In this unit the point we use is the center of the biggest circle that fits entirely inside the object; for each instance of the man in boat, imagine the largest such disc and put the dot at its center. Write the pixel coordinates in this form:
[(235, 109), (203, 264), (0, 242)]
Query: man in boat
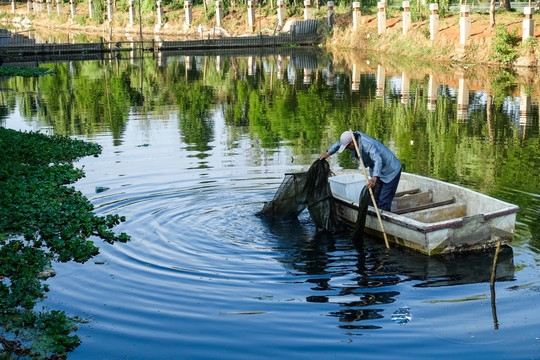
[(384, 167)]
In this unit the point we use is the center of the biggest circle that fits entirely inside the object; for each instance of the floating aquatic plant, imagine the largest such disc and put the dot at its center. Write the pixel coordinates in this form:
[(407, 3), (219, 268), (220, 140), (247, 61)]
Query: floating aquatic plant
[(42, 220)]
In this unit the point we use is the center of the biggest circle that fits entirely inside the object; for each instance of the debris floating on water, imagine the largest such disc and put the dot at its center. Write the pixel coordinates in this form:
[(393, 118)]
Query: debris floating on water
[(242, 313), (46, 273), (402, 315)]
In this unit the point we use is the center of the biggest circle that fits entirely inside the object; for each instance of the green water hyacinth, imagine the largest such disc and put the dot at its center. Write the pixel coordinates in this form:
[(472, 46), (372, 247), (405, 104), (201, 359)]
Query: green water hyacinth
[(42, 220)]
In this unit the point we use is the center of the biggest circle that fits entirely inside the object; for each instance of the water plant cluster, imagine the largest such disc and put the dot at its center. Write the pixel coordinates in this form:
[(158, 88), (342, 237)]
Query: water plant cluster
[(42, 220)]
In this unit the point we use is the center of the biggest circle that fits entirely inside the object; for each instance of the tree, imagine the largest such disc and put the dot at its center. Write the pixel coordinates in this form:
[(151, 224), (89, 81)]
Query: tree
[(505, 5), (492, 14)]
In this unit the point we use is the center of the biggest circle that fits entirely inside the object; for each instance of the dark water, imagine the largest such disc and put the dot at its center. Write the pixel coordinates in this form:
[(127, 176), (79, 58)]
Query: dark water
[(191, 150)]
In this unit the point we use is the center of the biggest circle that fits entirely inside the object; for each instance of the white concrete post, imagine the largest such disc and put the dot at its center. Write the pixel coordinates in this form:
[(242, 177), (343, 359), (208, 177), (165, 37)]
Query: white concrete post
[(131, 12), (524, 105), (218, 63), (159, 13), (528, 22), (91, 9), (432, 93), (280, 67), (405, 87), (219, 13), (49, 7), (13, 6), (73, 9), (28, 6), (433, 21), (464, 24), (307, 9), (355, 85), (188, 60), (109, 10), (307, 76), (381, 80), (463, 98), (34, 6), (356, 14), (160, 56), (406, 17), (280, 13), (59, 7), (251, 65), (330, 75), (381, 17), (133, 51), (330, 13), (251, 14), (189, 13)]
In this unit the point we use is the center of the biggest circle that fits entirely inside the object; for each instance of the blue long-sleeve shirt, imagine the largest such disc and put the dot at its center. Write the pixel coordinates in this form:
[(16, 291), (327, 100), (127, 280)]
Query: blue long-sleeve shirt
[(377, 157)]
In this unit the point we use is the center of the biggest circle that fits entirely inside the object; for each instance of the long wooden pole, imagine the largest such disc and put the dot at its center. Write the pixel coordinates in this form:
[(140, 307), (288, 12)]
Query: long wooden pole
[(492, 286), (370, 190)]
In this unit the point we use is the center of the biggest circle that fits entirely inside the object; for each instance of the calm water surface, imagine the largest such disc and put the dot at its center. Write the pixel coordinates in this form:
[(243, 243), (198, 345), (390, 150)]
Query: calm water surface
[(191, 151)]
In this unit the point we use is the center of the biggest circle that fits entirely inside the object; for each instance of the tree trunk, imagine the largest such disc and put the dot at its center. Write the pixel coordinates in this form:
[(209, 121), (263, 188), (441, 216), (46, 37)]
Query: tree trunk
[(505, 5), (492, 14)]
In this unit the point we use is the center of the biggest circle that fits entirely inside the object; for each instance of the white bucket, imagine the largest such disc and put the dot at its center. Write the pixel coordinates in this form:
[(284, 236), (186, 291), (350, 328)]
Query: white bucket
[(347, 186)]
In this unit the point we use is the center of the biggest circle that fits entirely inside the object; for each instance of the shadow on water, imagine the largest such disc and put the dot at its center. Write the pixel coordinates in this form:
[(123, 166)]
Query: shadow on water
[(357, 276)]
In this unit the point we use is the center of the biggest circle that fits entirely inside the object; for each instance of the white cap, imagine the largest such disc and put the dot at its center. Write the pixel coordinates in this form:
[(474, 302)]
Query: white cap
[(345, 140)]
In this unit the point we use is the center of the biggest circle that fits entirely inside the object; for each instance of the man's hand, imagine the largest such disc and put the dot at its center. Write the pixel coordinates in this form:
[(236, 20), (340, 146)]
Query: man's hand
[(371, 183), (324, 156)]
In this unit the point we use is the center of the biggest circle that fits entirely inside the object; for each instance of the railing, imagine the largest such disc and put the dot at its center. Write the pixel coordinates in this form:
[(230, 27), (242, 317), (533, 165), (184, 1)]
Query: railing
[(27, 44)]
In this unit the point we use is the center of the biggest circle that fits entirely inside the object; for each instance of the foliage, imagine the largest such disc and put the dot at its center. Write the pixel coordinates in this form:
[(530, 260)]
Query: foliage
[(504, 45), (25, 72), (49, 333), (270, 103), (81, 19), (175, 4), (99, 11), (42, 220), (210, 11), (148, 6), (502, 85), (530, 43)]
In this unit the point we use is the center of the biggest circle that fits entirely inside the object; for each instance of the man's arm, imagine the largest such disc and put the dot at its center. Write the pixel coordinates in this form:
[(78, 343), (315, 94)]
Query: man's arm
[(331, 150)]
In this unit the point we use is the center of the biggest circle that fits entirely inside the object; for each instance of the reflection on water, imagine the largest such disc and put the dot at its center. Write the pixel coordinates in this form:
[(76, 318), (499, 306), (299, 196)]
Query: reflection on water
[(359, 277), (194, 143)]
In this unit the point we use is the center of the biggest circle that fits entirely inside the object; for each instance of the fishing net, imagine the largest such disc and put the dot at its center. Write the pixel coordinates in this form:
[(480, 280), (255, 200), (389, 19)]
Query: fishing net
[(310, 190)]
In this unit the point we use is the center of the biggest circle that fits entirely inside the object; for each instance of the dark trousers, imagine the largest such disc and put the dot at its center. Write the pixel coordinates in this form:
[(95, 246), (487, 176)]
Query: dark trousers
[(384, 192)]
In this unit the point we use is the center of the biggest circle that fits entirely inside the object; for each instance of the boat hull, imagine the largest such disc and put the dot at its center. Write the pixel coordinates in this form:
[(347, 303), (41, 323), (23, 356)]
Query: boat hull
[(470, 221)]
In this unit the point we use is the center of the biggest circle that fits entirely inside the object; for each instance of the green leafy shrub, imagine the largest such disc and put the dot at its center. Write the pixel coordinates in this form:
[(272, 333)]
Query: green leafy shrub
[(99, 11), (504, 45), (530, 43), (81, 19)]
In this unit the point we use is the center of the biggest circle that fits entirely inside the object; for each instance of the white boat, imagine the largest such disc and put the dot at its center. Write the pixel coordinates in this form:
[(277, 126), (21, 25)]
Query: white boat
[(428, 215)]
